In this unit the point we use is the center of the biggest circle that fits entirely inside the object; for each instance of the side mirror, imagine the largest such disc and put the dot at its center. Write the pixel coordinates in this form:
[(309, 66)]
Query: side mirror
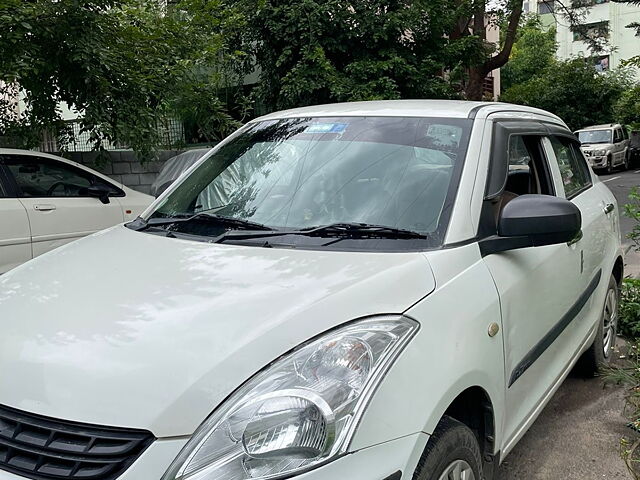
[(534, 221), (100, 193)]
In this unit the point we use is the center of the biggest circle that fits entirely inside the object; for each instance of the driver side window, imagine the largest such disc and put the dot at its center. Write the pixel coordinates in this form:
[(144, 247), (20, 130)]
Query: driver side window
[(617, 135), (47, 178)]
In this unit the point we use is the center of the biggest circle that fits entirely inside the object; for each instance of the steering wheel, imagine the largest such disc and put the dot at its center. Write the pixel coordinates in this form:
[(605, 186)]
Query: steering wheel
[(55, 186)]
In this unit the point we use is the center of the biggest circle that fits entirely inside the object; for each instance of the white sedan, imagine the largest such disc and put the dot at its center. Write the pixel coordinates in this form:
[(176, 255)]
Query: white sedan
[(366, 291), (47, 201)]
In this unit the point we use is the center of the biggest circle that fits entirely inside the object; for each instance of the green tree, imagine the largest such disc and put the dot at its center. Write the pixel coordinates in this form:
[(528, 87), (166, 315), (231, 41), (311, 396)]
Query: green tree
[(122, 64), (533, 52), (317, 51), (573, 90), (627, 110)]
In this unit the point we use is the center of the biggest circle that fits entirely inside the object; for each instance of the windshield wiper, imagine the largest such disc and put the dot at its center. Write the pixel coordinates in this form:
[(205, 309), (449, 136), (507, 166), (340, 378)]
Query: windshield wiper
[(365, 230), (340, 230), (236, 223)]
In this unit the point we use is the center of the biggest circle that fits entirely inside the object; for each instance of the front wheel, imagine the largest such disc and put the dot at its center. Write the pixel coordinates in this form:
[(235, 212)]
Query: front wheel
[(600, 352), (452, 453)]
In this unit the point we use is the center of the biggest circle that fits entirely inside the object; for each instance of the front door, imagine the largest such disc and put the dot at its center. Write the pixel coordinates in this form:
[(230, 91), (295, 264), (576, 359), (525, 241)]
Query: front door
[(618, 150), (15, 235), (56, 199), (537, 287)]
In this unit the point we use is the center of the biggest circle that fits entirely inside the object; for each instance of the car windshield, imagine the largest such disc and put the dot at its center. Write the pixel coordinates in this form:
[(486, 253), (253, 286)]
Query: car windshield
[(307, 172), (595, 136)]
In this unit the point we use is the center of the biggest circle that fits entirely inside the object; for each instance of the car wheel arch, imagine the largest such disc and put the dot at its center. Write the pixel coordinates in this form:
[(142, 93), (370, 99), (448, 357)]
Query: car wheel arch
[(618, 270), (473, 407)]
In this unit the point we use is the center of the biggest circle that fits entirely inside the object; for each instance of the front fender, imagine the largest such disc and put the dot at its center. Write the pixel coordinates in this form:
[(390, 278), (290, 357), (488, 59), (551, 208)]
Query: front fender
[(451, 352)]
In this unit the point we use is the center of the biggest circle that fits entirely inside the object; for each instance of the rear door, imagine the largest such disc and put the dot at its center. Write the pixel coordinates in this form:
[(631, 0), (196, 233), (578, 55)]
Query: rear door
[(15, 234), (55, 196), (537, 285)]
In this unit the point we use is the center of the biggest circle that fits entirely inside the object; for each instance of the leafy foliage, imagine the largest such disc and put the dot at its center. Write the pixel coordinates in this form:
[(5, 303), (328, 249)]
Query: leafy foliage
[(122, 64), (627, 109), (629, 321), (319, 51), (573, 90), (533, 52), (632, 210), (628, 374)]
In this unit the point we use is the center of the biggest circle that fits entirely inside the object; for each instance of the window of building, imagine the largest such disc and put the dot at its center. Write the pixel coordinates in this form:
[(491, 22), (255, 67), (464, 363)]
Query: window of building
[(546, 6), (591, 31), (602, 63)]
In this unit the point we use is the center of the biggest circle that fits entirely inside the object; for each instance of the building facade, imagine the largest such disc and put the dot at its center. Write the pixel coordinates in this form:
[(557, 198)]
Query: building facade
[(606, 20)]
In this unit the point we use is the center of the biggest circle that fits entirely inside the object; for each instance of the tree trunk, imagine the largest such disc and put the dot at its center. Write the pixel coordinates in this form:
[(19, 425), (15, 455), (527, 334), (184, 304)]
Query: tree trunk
[(474, 87), (477, 74)]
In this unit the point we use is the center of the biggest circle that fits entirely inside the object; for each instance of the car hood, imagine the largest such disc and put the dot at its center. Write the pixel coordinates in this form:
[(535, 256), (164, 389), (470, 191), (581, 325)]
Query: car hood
[(588, 147), (131, 329)]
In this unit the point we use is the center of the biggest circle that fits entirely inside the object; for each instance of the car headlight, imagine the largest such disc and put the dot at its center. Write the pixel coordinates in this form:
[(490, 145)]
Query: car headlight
[(600, 153), (298, 412)]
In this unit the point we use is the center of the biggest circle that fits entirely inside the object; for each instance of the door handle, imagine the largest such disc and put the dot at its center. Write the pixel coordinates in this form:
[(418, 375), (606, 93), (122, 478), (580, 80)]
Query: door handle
[(608, 208), (44, 207)]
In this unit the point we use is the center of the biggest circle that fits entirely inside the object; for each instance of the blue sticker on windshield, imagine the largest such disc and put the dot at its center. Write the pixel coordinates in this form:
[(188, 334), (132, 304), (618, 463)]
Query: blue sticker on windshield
[(326, 128)]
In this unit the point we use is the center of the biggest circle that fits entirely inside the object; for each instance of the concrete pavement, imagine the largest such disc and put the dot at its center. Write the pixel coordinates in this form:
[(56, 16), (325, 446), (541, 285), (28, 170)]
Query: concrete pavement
[(577, 436)]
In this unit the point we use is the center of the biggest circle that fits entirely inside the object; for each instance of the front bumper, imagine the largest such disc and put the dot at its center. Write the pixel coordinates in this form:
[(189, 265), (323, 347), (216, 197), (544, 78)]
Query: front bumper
[(373, 463), (597, 162)]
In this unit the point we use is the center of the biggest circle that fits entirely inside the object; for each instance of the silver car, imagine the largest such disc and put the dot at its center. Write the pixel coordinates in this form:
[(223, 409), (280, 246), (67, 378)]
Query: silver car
[(605, 146)]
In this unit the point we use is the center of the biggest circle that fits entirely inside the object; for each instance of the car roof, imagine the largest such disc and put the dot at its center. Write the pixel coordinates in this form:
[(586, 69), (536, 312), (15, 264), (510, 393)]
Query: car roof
[(31, 153), (404, 108)]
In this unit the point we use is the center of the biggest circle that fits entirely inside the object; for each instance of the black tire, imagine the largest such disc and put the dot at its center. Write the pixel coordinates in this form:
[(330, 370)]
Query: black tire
[(594, 360), (451, 441), (609, 167)]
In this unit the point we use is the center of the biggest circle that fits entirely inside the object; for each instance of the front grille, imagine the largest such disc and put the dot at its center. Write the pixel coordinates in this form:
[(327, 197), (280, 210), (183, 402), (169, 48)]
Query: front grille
[(43, 448)]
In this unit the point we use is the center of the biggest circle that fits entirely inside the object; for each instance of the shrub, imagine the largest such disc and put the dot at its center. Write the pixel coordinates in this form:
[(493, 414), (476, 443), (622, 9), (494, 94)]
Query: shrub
[(629, 312), (632, 210)]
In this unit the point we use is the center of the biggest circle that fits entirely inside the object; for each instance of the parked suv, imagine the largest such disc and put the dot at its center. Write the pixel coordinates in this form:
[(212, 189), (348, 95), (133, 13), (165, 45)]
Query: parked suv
[(378, 290), (605, 146)]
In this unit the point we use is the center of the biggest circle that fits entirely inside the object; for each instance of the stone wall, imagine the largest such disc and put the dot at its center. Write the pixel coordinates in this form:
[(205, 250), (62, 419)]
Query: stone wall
[(123, 166)]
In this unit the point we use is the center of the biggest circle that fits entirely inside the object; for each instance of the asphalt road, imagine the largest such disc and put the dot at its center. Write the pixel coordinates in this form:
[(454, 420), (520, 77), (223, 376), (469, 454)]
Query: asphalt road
[(578, 434), (620, 183)]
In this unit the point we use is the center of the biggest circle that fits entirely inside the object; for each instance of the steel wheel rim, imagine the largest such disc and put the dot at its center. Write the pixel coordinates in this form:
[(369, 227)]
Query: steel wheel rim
[(458, 470), (610, 322)]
